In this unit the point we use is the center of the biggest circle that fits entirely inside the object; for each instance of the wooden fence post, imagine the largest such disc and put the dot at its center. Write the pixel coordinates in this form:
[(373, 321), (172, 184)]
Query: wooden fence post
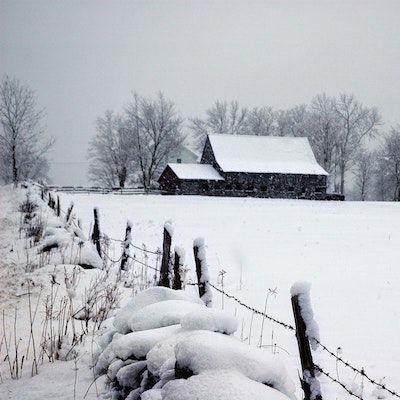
[(202, 271), (164, 271), (311, 391), (69, 213), (177, 283), (96, 231), (58, 206), (197, 261), (125, 246)]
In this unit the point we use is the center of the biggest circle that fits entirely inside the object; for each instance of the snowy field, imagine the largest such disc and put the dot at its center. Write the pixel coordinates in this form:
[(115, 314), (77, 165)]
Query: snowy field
[(348, 251)]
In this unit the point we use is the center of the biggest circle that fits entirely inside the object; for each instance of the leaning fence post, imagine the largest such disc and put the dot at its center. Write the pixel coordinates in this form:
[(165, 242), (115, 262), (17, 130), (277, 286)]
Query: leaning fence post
[(199, 251), (69, 213), (302, 307), (178, 262), (164, 270), (125, 245), (96, 231)]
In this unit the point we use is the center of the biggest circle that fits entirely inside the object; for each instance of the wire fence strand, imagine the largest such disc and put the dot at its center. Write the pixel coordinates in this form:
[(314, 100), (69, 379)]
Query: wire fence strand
[(329, 376)]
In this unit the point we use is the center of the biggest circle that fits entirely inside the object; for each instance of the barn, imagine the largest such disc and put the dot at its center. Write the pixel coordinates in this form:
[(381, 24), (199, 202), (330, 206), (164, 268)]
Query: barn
[(257, 166)]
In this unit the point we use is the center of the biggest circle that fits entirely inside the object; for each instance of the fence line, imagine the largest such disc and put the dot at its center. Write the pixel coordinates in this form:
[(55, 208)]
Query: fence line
[(102, 190), (290, 327)]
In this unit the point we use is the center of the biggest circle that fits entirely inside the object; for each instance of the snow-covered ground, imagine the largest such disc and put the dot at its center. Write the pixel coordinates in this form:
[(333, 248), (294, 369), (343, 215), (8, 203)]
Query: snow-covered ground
[(348, 251)]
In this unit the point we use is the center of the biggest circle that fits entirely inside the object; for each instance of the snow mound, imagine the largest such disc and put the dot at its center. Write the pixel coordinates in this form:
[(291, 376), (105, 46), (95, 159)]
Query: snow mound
[(162, 352), (219, 385), (89, 258), (152, 394), (129, 374), (145, 298), (149, 362), (134, 345), (54, 222), (210, 320), (163, 313), (206, 351), (57, 238)]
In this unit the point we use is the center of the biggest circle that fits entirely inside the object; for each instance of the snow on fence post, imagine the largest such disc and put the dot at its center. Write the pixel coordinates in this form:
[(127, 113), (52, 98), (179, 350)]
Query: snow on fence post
[(179, 259), (306, 332), (203, 278), (125, 245), (165, 262), (96, 231)]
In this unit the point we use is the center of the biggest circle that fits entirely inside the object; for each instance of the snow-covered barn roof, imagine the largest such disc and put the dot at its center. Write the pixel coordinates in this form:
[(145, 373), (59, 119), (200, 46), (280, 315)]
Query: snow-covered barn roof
[(265, 154), (196, 172)]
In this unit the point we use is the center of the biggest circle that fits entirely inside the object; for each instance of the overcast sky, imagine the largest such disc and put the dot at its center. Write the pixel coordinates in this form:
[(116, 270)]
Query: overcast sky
[(83, 57)]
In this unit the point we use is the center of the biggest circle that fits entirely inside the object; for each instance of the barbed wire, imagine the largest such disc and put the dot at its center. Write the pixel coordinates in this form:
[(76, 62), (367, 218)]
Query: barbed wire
[(157, 252), (129, 256), (328, 375), (360, 371), (255, 311), (110, 259), (142, 263)]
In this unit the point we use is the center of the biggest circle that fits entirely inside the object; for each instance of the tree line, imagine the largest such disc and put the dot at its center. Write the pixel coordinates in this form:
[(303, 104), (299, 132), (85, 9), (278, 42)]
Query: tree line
[(135, 144)]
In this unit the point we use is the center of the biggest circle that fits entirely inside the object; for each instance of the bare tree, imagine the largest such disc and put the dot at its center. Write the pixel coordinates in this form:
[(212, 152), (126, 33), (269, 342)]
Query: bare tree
[(261, 121), (221, 118), (323, 134), (364, 170), (155, 132), (293, 122), (110, 153), (388, 171), (22, 145), (356, 122)]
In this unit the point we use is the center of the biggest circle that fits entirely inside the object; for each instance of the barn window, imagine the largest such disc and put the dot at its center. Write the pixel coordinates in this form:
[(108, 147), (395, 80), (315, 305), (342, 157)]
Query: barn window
[(290, 188), (263, 188)]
